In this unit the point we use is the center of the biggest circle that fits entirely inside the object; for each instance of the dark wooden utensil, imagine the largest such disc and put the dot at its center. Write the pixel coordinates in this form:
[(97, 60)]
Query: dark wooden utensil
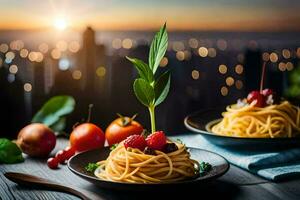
[(29, 180)]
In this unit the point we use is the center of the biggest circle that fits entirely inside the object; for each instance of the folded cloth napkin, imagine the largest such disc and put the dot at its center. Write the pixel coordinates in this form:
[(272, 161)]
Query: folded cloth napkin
[(273, 166)]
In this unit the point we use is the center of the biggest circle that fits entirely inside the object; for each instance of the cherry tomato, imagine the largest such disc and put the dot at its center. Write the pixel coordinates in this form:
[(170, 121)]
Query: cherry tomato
[(258, 97), (87, 136), (121, 128), (69, 152), (52, 163), (60, 156), (267, 92)]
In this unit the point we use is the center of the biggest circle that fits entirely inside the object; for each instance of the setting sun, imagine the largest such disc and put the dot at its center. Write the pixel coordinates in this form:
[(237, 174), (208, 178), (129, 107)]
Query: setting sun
[(60, 23)]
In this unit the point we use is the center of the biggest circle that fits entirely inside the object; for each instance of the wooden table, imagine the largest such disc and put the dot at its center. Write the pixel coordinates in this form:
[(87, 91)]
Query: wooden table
[(236, 184)]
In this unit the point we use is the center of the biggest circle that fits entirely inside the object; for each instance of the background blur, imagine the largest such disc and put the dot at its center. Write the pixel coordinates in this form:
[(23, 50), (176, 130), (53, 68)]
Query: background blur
[(216, 50)]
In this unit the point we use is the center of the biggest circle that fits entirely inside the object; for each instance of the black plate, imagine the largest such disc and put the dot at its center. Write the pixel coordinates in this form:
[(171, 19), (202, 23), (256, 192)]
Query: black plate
[(77, 163), (201, 121)]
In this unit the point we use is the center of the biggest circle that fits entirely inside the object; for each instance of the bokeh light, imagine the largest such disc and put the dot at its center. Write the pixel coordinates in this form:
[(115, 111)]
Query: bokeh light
[(56, 54), (239, 69), (101, 71), (3, 48), (117, 43), (266, 56), (164, 61), (23, 53), (180, 55), (212, 52), (286, 53), (74, 46), (32, 56), (282, 66), (273, 57), (62, 45), (195, 74), (10, 55), (203, 52), (224, 91), (43, 47), (13, 69), (77, 75), (289, 66), (193, 43), (64, 64), (229, 81), (223, 69), (127, 43), (178, 46), (239, 84), (27, 87), (222, 44)]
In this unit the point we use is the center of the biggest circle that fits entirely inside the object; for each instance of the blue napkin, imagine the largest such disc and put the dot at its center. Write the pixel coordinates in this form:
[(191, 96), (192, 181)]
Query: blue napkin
[(270, 165)]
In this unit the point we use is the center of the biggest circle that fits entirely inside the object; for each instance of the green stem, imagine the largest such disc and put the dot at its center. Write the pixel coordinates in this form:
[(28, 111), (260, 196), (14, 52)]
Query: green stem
[(152, 117)]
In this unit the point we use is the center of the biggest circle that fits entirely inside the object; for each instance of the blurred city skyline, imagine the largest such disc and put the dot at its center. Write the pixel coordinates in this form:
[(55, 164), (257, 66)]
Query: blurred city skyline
[(205, 15)]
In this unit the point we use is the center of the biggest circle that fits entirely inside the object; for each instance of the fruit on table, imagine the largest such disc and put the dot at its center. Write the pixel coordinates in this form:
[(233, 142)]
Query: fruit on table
[(52, 163), (121, 128), (87, 136), (36, 140)]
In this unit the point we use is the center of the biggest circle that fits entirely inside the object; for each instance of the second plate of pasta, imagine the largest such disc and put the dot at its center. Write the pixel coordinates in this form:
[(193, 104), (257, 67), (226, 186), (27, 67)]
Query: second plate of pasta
[(250, 128)]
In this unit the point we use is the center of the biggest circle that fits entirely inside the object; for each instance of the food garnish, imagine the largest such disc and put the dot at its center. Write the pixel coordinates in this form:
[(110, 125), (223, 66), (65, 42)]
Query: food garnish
[(91, 167), (148, 89), (135, 141), (156, 140)]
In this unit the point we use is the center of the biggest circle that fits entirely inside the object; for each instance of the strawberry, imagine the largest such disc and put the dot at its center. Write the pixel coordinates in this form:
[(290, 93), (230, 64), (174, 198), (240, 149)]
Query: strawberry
[(135, 141), (156, 140)]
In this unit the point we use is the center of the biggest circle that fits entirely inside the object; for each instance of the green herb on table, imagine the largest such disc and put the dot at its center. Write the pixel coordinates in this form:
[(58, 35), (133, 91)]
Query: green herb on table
[(204, 167), (9, 152), (148, 89), (91, 167)]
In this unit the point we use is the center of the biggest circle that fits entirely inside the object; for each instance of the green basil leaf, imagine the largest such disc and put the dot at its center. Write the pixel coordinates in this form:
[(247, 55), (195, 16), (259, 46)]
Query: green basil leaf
[(10, 152), (162, 87), (54, 109), (143, 91), (143, 69), (158, 48)]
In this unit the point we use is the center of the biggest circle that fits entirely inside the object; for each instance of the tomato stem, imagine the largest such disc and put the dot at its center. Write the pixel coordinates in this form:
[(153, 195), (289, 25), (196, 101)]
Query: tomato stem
[(90, 112), (152, 117)]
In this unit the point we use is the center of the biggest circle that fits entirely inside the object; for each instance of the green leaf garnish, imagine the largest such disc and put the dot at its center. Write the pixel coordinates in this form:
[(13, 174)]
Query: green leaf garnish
[(53, 112), (161, 87), (204, 167), (9, 152), (91, 167), (148, 90), (113, 146), (144, 91), (158, 48)]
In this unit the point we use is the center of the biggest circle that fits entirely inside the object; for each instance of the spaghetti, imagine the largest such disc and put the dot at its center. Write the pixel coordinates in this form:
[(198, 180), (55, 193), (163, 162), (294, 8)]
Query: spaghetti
[(134, 166), (274, 121)]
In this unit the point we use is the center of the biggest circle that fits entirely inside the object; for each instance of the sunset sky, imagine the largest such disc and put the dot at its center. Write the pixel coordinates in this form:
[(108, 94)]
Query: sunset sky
[(237, 15)]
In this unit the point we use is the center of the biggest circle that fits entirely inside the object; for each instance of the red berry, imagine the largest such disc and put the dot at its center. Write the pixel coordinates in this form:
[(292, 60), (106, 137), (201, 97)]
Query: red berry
[(52, 163), (258, 97), (267, 92), (60, 156), (135, 141), (156, 140), (69, 152)]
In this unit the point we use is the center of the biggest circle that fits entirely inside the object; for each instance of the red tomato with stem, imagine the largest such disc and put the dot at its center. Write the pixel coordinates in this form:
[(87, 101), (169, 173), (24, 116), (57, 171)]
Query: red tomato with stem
[(87, 136), (121, 128)]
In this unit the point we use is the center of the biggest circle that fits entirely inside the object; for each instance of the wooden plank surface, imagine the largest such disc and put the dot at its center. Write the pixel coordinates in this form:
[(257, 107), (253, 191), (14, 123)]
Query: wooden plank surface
[(236, 184)]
